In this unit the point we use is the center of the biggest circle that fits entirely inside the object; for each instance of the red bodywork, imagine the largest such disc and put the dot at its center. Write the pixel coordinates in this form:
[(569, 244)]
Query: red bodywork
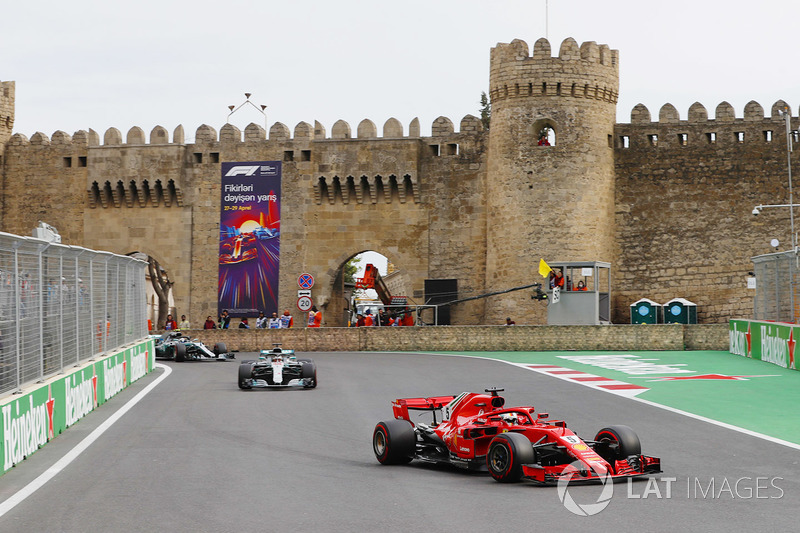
[(471, 420)]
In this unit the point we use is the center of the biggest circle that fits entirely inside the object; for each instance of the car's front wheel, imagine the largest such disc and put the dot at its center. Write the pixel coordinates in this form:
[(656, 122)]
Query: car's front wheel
[(309, 375), (617, 442), (220, 348), (245, 374), (180, 352), (507, 453), (394, 442)]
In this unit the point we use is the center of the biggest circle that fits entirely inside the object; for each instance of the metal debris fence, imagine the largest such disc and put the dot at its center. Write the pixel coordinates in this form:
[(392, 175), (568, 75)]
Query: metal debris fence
[(61, 305), (777, 277)]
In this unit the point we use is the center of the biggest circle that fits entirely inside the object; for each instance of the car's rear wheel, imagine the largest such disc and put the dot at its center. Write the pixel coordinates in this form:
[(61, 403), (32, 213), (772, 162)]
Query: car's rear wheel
[(617, 442), (507, 453), (180, 352), (394, 442), (309, 375), (245, 374), (220, 348)]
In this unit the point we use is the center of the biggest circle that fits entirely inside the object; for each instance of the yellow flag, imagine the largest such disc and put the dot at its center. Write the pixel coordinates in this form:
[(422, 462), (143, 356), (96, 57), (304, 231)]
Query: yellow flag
[(544, 268)]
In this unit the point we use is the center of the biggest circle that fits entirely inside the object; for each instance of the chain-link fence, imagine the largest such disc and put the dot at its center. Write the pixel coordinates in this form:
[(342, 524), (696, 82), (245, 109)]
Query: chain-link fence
[(777, 277), (60, 305)]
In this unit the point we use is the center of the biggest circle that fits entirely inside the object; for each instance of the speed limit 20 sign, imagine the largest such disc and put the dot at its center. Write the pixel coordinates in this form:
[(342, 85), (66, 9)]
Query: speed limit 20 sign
[(304, 303)]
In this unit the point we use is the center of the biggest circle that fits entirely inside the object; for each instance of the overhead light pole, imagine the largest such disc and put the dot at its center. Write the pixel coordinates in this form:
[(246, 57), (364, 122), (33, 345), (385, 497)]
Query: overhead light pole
[(234, 109)]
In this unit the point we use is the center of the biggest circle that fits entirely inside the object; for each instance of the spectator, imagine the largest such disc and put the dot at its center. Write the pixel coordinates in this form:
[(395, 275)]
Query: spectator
[(581, 286), (286, 320), (210, 324), (274, 322), (243, 324), (170, 323), (224, 320), (556, 279), (360, 323), (368, 320), (315, 319), (184, 324), (510, 322), (261, 321)]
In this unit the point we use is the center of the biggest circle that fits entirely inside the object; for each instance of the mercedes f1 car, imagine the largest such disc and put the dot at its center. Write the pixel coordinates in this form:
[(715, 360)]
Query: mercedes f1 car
[(174, 346), (278, 368), (476, 431)]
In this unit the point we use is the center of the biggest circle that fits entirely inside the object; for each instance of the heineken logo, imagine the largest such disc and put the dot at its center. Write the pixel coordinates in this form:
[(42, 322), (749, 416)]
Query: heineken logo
[(24, 433)]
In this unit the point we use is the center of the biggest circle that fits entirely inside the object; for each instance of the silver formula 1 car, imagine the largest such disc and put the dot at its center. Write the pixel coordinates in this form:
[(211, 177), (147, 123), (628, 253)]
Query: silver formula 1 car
[(175, 346), (277, 368)]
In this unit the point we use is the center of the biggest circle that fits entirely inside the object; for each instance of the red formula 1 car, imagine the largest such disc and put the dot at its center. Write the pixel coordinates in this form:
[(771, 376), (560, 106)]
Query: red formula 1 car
[(477, 431)]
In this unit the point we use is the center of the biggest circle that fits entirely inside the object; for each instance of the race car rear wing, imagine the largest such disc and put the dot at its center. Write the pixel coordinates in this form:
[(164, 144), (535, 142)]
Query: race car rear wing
[(401, 406)]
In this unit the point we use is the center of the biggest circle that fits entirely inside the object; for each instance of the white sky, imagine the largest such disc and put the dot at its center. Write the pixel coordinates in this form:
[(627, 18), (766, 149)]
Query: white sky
[(99, 64)]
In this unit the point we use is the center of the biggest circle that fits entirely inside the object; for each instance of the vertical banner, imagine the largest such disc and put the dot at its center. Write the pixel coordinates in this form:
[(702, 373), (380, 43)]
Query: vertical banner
[(249, 238)]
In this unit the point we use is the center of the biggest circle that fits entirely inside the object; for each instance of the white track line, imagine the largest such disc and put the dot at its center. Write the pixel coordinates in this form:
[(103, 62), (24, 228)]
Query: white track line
[(62, 463), (634, 398)]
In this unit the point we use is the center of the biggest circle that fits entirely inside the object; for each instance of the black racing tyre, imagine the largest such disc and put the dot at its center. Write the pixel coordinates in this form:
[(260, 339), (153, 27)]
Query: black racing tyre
[(507, 453), (305, 360), (180, 352), (245, 373), (394, 442), (617, 442), (309, 372), (220, 348)]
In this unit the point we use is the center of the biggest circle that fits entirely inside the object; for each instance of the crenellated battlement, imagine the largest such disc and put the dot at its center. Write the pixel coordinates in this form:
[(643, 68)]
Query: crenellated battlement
[(303, 131), (587, 71), (753, 129)]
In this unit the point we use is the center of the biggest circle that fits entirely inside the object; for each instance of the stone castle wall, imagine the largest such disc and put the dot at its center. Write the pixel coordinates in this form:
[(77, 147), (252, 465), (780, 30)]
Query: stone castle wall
[(340, 196), (666, 206), (685, 191), (476, 338)]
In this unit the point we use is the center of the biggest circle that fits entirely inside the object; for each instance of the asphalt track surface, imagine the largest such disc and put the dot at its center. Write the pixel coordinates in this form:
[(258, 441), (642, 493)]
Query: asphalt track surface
[(197, 454)]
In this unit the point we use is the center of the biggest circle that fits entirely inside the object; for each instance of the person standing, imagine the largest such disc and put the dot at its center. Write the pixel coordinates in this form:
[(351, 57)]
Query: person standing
[(224, 320), (510, 322), (274, 322), (184, 324), (314, 318), (243, 324), (368, 320), (261, 321), (210, 324), (170, 323), (286, 320)]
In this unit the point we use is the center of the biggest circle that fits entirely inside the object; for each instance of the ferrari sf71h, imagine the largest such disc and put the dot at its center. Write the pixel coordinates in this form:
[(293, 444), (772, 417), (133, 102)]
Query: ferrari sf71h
[(476, 431)]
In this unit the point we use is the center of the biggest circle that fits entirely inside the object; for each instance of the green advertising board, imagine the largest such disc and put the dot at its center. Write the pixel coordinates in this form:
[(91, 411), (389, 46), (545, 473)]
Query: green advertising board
[(772, 342), (32, 419)]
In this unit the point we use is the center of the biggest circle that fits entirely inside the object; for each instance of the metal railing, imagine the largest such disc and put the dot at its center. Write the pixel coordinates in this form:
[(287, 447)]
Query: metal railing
[(777, 278), (60, 305)]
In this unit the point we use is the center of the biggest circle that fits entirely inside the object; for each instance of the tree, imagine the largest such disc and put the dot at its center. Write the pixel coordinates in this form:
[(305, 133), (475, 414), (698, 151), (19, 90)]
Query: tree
[(162, 286), (350, 269), (486, 110)]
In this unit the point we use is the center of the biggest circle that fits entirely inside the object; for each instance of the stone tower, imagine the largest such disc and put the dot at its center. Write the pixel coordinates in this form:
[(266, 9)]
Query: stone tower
[(6, 114), (554, 202)]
